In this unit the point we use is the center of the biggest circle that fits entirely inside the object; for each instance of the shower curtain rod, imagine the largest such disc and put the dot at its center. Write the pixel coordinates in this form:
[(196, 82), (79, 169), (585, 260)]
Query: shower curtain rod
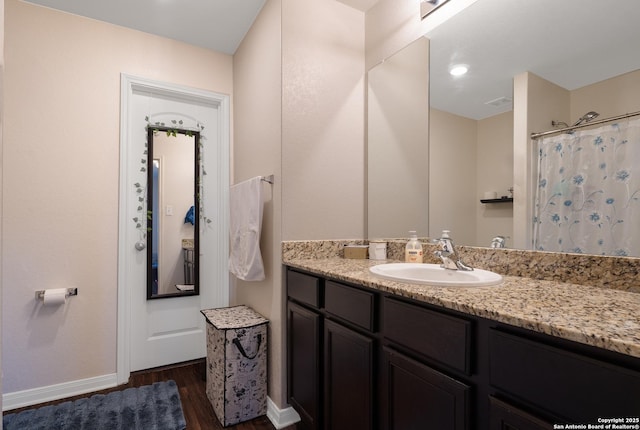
[(586, 124)]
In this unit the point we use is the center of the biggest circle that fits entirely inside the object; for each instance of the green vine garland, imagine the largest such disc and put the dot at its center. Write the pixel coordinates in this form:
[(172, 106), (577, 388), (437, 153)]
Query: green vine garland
[(141, 189)]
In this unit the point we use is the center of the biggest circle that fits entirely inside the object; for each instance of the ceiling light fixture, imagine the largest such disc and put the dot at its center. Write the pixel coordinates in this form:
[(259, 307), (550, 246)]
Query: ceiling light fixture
[(459, 70)]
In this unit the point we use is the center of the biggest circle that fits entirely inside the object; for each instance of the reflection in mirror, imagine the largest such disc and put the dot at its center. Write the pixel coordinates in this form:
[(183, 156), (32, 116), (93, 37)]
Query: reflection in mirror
[(397, 146), (471, 117), (172, 239)]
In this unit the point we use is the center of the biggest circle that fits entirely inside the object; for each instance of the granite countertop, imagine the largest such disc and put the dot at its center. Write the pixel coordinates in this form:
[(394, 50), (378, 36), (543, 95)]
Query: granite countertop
[(601, 317)]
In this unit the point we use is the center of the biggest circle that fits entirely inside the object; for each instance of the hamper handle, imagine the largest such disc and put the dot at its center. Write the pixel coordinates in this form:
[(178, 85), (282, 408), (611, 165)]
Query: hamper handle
[(237, 343)]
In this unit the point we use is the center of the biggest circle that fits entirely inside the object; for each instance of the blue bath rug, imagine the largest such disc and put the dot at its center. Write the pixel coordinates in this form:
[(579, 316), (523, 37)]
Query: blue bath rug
[(150, 407)]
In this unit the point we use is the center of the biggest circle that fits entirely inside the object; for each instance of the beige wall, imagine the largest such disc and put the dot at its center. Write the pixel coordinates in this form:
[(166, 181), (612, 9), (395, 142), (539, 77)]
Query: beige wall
[(611, 97), (469, 157), (257, 152), (452, 171), (398, 144), (299, 109), (494, 166), (60, 167), (322, 120)]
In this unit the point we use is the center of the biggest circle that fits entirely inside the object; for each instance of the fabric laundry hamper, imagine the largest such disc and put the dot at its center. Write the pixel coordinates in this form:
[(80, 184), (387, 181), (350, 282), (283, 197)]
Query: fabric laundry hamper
[(236, 363)]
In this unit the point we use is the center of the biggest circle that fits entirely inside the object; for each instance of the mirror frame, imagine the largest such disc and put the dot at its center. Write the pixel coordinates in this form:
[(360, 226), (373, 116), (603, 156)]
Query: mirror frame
[(171, 131)]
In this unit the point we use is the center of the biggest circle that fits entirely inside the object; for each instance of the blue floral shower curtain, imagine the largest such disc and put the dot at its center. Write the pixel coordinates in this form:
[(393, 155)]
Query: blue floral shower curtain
[(588, 195)]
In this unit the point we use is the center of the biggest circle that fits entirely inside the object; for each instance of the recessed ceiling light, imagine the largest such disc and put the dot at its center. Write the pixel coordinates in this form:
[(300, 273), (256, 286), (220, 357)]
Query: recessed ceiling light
[(499, 102), (459, 70)]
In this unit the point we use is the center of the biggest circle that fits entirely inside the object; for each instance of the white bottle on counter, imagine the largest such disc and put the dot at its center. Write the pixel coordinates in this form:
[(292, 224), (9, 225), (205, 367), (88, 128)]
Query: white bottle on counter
[(413, 250)]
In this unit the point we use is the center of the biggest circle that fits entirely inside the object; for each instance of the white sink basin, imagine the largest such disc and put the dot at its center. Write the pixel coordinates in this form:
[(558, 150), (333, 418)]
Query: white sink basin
[(433, 274)]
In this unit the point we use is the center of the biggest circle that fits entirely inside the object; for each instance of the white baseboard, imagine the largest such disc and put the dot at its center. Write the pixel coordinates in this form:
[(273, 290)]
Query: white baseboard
[(34, 396), (281, 418)]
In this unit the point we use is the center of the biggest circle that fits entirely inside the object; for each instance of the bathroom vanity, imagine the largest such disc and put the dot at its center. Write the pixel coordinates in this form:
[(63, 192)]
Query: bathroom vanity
[(369, 353)]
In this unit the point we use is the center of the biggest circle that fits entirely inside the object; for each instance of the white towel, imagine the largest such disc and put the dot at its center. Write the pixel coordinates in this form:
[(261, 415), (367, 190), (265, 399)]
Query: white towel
[(245, 261)]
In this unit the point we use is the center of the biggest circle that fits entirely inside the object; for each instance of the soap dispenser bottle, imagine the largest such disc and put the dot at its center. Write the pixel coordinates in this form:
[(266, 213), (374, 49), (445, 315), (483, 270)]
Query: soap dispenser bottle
[(413, 249)]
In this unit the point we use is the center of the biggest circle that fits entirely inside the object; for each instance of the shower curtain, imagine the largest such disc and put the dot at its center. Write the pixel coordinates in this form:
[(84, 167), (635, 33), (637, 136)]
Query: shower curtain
[(588, 194)]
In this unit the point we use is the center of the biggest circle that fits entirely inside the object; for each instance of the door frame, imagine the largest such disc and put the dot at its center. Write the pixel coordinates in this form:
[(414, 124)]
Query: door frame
[(218, 152)]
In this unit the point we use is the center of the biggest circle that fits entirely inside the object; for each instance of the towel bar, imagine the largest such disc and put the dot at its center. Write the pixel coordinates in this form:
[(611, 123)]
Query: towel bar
[(268, 179)]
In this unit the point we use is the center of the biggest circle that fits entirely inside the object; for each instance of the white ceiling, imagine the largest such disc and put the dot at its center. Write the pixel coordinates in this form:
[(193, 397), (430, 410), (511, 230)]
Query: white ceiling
[(219, 25), (571, 43)]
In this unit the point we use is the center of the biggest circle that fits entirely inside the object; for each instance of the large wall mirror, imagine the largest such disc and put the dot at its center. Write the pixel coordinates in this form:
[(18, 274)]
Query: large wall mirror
[(398, 150), (587, 47), (173, 212)]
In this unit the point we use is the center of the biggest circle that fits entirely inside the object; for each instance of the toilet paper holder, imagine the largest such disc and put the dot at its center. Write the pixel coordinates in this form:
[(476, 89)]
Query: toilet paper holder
[(70, 292)]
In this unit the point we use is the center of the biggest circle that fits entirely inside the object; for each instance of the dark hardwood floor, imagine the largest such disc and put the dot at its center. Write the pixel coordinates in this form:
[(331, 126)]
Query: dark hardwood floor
[(191, 380)]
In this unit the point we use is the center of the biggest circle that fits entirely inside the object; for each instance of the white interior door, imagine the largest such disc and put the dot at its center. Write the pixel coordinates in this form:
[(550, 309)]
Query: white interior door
[(163, 331)]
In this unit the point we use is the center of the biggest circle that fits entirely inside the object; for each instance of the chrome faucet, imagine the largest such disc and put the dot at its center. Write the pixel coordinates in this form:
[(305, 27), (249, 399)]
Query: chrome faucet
[(498, 242), (448, 253)]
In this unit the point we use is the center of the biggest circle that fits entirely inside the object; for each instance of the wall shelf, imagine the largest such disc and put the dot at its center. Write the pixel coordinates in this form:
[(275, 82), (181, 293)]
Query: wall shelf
[(502, 200)]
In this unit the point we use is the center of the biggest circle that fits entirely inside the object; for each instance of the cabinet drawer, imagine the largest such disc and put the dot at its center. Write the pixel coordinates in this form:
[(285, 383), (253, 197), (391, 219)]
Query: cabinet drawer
[(350, 304), (571, 386), (435, 335), (503, 416), (303, 288)]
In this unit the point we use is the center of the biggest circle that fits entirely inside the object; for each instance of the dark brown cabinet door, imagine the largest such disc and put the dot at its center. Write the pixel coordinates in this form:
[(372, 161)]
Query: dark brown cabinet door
[(417, 397), (572, 386), (349, 386), (304, 364)]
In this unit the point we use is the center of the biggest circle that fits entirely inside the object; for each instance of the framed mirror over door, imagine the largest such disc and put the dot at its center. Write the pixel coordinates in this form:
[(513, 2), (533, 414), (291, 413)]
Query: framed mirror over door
[(173, 212)]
